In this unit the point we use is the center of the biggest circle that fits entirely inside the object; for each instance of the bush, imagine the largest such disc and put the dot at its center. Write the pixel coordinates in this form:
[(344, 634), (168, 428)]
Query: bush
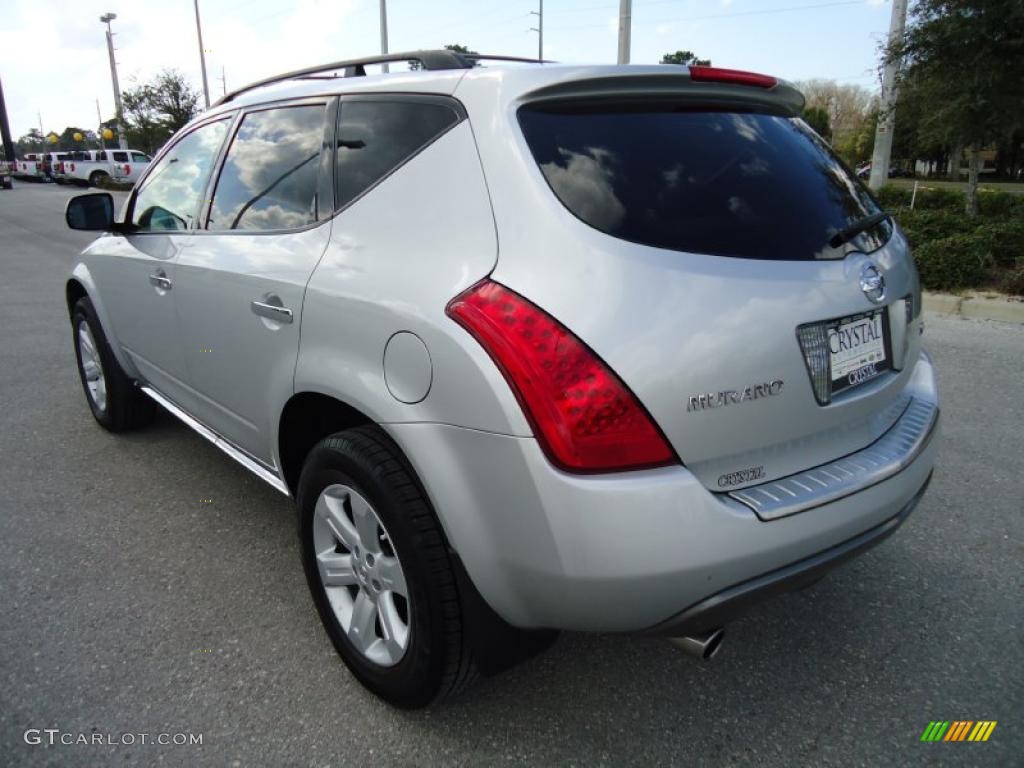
[(924, 226), (952, 263), (1000, 204), (898, 198), (940, 200), (893, 198), (1004, 241), (1013, 281), (115, 186), (991, 203)]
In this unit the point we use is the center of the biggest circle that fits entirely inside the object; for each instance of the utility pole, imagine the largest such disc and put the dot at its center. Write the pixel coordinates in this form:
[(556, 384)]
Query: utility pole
[(625, 22), (539, 29), (122, 142), (202, 57), (5, 129), (384, 32), (223, 80), (887, 117), (99, 125)]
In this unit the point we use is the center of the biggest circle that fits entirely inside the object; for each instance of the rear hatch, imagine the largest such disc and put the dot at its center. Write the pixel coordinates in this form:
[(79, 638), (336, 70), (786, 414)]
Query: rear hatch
[(727, 266)]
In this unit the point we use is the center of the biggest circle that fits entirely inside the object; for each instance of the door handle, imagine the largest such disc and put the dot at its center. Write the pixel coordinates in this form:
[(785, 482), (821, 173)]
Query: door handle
[(160, 280), (272, 311)]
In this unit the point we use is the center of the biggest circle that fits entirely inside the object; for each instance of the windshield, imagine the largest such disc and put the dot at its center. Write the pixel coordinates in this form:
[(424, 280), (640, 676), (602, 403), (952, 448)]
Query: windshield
[(740, 184)]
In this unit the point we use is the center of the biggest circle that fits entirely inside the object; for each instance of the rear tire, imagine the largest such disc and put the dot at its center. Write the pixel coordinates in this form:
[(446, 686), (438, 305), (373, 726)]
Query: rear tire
[(115, 401), (97, 177), (431, 659)]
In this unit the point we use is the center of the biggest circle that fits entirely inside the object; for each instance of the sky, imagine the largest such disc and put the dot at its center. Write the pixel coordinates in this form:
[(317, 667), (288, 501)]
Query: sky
[(53, 56)]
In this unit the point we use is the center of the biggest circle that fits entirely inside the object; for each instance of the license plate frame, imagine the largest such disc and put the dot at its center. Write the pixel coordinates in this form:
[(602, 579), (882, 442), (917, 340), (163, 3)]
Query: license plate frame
[(861, 368)]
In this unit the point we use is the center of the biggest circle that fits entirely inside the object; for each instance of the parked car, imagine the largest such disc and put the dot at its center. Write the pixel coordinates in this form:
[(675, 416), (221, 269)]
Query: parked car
[(895, 172), (6, 174), (56, 165), (29, 167), (690, 378), (93, 166)]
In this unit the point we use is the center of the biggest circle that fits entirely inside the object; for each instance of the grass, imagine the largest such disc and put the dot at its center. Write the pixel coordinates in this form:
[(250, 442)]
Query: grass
[(1015, 187)]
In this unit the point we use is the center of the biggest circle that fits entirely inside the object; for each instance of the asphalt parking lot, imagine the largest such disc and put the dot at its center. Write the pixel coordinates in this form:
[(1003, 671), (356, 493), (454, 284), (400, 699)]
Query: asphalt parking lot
[(130, 605)]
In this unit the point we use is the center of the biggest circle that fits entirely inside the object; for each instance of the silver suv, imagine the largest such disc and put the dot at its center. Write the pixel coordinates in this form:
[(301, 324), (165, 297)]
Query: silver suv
[(609, 349)]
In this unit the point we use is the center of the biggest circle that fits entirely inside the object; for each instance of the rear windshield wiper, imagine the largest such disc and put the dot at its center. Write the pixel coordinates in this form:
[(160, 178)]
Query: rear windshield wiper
[(850, 231)]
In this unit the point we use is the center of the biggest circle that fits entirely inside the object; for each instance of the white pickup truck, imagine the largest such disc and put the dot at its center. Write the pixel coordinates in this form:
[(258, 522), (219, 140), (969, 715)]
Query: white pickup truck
[(29, 167), (93, 165)]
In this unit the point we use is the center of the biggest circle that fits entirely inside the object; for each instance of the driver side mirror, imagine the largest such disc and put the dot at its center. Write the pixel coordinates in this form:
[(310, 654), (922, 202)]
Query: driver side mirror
[(93, 212)]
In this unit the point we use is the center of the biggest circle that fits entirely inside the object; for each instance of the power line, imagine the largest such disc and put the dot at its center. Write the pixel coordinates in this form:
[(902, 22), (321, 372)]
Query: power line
[(736, 14), (477, 18)]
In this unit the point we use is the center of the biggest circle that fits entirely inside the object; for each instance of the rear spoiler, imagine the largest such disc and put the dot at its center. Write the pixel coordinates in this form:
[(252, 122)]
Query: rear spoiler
[(712, 87)]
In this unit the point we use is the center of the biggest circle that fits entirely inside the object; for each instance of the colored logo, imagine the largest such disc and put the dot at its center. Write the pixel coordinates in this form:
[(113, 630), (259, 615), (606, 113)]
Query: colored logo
[(958, 730)]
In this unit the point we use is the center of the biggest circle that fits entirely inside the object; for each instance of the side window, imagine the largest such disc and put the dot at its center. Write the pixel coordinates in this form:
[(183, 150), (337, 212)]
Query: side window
[(375, 137), (120, 157), (138, 157), (170, 195), (269, 177)]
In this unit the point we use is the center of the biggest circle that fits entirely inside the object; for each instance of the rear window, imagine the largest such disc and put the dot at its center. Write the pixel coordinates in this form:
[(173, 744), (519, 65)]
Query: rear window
[(748, 185)]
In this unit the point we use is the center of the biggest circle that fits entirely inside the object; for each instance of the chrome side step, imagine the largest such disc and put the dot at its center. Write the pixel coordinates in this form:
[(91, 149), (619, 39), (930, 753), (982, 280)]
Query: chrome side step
[(247, 461)]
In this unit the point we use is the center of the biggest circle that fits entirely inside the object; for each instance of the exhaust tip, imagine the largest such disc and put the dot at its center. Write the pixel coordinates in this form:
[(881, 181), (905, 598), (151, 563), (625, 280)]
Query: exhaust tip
[(704, 646)]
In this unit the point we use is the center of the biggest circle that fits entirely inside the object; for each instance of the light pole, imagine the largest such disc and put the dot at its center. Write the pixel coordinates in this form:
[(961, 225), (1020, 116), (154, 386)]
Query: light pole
[(625, 22), (887, 120), (384, 32), (539, 29), (202, 57), (121, 140)]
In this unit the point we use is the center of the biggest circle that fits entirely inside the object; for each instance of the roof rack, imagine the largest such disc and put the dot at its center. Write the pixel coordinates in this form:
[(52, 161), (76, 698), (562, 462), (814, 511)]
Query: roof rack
[(429, 60)]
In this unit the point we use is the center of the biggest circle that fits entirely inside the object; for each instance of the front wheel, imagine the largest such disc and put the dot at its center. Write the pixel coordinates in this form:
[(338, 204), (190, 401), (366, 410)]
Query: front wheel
[(113, 398)]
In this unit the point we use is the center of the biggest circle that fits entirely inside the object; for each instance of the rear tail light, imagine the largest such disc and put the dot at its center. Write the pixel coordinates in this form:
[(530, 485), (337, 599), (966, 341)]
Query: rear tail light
[(584, 416), (731, 76)]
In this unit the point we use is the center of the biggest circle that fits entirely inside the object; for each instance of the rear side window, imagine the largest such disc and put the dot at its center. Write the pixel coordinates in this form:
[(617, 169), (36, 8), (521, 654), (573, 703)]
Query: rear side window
[(747, 185), (375, 137), (120, 157), (269, 178)]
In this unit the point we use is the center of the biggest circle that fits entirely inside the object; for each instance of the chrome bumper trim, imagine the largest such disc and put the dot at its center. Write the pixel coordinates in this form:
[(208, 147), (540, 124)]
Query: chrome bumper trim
[(887, 456), (253, 465)]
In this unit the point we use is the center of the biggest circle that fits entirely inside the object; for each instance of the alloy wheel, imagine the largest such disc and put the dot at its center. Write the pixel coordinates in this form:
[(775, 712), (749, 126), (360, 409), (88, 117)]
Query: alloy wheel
[(92, 368), (361, 575)]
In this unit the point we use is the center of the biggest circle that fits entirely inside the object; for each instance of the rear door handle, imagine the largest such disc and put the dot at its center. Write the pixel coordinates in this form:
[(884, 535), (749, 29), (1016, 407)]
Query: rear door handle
[(160, 280), (272, 311)]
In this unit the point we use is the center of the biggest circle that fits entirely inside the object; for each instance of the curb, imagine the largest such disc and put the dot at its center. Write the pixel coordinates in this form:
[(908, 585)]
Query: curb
[(980, 307)]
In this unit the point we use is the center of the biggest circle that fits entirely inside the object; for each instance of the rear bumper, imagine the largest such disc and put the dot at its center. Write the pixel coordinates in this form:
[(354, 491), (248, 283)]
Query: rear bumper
[(719, 609), (646, 551)]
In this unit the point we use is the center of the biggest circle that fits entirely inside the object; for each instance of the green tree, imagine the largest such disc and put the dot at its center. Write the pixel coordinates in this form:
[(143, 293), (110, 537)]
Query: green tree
[(174, 99), (962, 75), (33, 141), (855, 145), (459, 48), (685, 57), (817, 118), (144, 128), (155, 110), (67, 139)]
